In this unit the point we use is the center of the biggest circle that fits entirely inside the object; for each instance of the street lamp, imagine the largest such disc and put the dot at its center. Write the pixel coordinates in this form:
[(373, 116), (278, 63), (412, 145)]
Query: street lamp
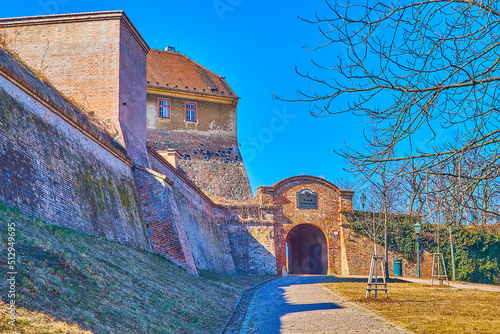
[(418, 228), (363, 200), (472, 217)]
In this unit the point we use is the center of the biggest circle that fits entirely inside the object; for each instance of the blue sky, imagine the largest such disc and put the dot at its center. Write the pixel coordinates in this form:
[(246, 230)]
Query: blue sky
[(256, 45)]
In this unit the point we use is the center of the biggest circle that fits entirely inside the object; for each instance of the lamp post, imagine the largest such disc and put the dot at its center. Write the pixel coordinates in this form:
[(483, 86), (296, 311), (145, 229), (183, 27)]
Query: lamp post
[(472, 217), (363, 200), (418, 228)]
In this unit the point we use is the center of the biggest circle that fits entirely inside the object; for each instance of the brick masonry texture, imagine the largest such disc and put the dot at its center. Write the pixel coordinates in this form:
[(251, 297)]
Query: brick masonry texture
[(50, 169), (258, 238), (95, 61), (132, 100), (205, 223), (252, 241), (214, 164), (360, 251), (165, 227), (327, 217)]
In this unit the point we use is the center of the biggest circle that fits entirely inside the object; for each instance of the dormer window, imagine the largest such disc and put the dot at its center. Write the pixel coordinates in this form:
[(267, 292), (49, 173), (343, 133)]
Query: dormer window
[(191, 111), (164, 108)]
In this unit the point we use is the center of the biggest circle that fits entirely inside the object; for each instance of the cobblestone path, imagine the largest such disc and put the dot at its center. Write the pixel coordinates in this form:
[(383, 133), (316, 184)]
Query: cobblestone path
[(300, 304)]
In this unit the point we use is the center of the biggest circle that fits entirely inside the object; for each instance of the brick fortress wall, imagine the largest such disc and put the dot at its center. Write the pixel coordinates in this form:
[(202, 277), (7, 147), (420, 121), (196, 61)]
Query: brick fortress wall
[(331, 201), (251, 238), (214, 164), (187, 223), (55, 165), (360, 251), (98, 60), (258, 237)]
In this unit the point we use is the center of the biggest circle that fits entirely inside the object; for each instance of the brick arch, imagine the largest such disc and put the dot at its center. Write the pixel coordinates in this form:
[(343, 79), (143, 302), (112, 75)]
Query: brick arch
[(328, 214), (307, 246), (305, 179)]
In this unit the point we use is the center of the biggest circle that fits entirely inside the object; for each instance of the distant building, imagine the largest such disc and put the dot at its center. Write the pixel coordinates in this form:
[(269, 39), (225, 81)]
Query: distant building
[(194, 111)]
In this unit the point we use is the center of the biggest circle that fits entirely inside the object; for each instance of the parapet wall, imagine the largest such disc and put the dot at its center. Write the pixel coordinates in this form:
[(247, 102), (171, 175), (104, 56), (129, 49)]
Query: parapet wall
[(203, 222)]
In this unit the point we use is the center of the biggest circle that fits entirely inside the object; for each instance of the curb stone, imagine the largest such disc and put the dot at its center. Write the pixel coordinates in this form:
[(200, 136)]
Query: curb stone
[(233, 325)]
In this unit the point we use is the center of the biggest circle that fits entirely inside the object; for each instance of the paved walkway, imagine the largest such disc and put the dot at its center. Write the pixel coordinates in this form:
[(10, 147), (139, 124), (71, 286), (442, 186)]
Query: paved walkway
[(300, 304), (458, 285)]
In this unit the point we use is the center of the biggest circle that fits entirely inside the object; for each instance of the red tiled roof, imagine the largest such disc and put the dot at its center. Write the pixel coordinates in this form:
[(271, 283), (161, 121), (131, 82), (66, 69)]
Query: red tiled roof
[(175, 71)]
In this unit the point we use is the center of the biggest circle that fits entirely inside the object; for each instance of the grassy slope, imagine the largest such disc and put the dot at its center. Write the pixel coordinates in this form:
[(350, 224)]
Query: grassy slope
[(70, 282)]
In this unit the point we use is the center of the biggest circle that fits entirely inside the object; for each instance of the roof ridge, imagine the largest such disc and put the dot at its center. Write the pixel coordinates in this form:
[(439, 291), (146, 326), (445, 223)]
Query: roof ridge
[(178, 68), (194, 61)]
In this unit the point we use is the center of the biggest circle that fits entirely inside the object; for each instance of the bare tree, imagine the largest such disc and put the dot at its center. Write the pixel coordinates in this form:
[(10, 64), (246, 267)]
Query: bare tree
[(385, 184), (413, 186), (345, 183), (418, 70), (370, 219)]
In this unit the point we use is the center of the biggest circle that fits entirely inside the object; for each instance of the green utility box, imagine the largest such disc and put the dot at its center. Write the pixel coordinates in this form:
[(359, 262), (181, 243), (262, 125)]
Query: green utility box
[(398, 267)]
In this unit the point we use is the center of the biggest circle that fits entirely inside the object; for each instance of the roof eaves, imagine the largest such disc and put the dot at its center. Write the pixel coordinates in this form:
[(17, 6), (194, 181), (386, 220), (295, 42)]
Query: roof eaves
[(234, 96)]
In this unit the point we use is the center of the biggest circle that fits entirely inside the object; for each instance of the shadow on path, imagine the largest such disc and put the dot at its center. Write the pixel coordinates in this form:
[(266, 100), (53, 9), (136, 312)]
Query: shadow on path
[(282, 297), (298, 304)]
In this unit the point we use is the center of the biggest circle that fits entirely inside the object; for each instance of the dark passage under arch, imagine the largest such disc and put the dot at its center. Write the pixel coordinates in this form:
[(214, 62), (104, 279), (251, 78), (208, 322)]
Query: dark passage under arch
[(307, 250)]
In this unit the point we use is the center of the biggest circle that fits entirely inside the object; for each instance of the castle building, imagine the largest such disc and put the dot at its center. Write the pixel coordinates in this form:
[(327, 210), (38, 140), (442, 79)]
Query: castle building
[(194, 111), (103, 135)]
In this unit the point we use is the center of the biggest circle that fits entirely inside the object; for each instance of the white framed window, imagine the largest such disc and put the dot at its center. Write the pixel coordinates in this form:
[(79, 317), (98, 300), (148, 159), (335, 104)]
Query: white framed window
[(191, 111), (164, 108)]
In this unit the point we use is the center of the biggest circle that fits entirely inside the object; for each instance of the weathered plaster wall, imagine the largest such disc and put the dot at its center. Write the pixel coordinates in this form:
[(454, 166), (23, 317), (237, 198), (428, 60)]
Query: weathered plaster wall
[(214, 118), (214, 164), (56, 166)]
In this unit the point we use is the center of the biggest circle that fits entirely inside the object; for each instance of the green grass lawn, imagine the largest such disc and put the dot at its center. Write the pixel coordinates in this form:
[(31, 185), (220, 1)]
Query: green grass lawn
[(429, 309), (69, 282)]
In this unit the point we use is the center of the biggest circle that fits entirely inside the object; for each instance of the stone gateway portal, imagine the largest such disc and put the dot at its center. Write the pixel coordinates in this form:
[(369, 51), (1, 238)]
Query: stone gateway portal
[(307, 250), (306, 217)]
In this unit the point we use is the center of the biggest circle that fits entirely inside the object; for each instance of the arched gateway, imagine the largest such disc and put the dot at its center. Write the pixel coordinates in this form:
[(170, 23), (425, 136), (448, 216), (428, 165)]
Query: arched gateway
[(307, 250), (307, 217)]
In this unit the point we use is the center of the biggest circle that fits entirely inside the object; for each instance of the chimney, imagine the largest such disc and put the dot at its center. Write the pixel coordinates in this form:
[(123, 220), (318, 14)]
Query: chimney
[(170, 49), (172, 156)]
